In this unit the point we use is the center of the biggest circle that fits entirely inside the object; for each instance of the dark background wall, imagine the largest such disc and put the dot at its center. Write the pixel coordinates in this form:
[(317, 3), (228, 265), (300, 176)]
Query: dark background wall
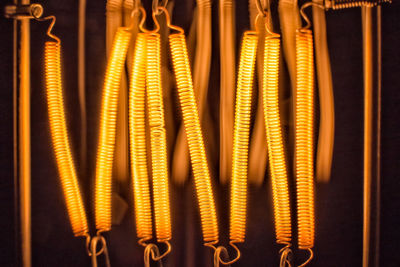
[(338, 204)]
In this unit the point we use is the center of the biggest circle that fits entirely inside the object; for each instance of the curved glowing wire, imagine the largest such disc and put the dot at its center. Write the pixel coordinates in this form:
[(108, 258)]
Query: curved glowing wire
[(195, 138), (137, 134), (106, 141), (241, 137), (304, 138), (277, 160), (60, 140), (157, 137)]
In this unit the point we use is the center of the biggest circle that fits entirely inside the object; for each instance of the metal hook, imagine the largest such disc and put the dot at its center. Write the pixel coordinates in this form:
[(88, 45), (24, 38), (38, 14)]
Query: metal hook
[(286, 256), (156, 6), (53, 21), (221, 249), (169, 248), (153, 251), (141, 23), (261, 11), (304, 16), (309, 258), (93, 246), (168, 19)]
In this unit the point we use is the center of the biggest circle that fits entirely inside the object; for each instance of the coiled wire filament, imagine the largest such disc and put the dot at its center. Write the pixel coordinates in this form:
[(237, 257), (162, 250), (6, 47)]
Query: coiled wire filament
[(304, 139), (137, 134), (157, 138), (60, 140), (277, 159), (195, 138), (241, 137), (108, 116)]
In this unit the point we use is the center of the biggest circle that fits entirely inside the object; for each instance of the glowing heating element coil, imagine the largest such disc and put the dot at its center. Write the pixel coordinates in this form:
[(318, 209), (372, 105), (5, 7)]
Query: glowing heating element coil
[(105, 152), (60, 139), (195, 138), (137, 134), (276, 153), (304, 138), (157, 138), (241, 137)]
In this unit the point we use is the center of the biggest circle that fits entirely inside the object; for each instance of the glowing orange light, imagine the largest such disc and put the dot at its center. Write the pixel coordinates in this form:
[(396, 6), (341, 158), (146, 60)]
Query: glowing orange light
[(59, 136), (108, 116), (304, 138), (157, 138), (137, 132), (241, 136), (277, 160), (195, 138)]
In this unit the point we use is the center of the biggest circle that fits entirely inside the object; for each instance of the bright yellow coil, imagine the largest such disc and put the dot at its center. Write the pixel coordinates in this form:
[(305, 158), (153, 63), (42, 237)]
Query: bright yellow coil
[(59, 136), (195, 138), (276, 153), (137, 134), (157, 138), (241, 137), (108, 118), (304, 138)]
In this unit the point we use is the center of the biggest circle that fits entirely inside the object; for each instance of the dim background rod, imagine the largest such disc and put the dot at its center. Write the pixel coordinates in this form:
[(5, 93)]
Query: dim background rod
[(371, 27), (22, 132), (81, 85), (378, 133)]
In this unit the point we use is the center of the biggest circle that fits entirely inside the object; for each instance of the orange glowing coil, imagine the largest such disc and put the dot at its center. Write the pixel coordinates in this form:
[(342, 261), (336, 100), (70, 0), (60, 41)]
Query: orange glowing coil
[(137, 133), (108, 116), (157, 137), (241, 137), (59, 136), (277, 160), (195, 138), (304, 138)]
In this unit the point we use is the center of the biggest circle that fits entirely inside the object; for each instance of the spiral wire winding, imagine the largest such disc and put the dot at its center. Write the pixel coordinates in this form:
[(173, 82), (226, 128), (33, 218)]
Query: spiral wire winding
[(304, 140), (241, 137), (60, 140), (137, 132), (195, 138), (277, 160), (106, 141), (158, 138)]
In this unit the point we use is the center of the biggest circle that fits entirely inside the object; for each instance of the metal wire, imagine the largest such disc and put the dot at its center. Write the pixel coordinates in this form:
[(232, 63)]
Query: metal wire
[(195, 138), (277, 159), (137, 134), (108, 116), (157, 137), (60, 140), (304, 139)]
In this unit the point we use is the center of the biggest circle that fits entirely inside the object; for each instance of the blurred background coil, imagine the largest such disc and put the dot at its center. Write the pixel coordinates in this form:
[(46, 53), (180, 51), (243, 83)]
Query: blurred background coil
[(108, 116), (276, 152), (137, 134), (304, 138), (195, 138), (157, 137), (241, 136), (60, 139)]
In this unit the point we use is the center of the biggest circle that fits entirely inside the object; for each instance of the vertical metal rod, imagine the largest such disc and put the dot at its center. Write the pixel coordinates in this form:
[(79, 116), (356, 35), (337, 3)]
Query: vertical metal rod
[(368, 118), (22, 133), (378, 134), (81, 85)]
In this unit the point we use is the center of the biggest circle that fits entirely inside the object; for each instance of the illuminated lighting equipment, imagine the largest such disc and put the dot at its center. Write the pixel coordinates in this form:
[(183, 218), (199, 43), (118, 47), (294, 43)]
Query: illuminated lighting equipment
[(137, 134), (60, 140), (194, 136), (157, 137), (145, 85), (108, 117), (276, 152), (304, 154)]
